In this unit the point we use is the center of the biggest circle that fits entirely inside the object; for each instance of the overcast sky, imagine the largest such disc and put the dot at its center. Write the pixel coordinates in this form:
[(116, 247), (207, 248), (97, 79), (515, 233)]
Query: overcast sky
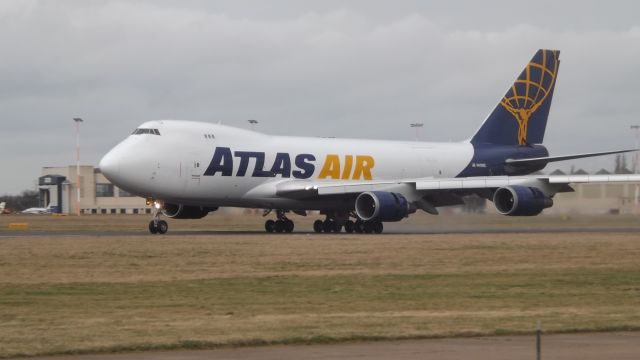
[(361, 69)]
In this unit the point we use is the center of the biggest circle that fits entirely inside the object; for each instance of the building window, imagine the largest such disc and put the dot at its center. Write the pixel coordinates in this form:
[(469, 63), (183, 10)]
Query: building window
[(124, 193), (104, 190)]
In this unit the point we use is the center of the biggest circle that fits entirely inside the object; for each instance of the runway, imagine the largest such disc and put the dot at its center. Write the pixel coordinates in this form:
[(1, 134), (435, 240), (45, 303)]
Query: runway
[(225, 225), (393, 229), (620, 346)]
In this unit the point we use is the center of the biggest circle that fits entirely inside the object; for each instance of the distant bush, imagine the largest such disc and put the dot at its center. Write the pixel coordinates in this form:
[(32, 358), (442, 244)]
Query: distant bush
[(27, 199)]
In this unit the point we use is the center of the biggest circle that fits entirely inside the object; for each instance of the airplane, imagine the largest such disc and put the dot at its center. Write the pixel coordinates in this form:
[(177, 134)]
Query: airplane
[(37, 210), (187, 169)]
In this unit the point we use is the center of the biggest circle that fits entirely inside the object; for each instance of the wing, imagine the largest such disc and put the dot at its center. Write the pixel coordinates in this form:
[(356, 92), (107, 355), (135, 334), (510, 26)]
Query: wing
[(549, 184)]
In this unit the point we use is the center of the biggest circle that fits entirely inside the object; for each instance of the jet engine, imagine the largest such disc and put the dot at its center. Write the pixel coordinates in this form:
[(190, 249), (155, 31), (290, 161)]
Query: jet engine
[(520, 200), (179, 211), (381, 206)]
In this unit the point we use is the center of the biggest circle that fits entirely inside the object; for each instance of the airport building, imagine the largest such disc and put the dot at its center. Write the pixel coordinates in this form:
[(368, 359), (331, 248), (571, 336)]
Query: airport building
[(57, 188), (611, 198)]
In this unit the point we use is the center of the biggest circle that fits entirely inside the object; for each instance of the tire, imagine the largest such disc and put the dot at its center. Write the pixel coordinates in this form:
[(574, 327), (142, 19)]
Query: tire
[(368, 227), (378, 227), (328, 226), (163, 227), (317, 226), (358, 226), (270, 226), (279, 226), (349, 226), (152, 227), (336, 227), (288, 226)]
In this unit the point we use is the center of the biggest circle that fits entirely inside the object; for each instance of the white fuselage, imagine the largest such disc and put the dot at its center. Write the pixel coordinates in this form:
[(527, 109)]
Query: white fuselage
[(172, 164)]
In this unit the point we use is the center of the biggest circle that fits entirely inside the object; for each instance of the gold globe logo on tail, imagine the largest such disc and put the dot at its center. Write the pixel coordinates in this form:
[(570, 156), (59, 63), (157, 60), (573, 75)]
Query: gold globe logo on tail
[(522, 101)]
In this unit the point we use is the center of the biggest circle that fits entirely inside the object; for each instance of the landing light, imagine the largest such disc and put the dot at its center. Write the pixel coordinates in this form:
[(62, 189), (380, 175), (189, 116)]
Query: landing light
[(157, 205)]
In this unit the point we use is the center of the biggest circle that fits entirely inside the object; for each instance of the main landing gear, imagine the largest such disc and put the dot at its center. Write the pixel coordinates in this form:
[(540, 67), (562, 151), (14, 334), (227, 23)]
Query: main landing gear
[(281, 225), (335, 223), (157, 226)]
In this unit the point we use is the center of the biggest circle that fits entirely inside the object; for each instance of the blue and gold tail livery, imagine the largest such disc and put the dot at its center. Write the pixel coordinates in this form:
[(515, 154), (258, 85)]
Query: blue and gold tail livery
[(521, 116)]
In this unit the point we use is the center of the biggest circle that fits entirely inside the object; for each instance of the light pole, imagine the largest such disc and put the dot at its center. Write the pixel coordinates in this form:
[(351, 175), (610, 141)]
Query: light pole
[(636, 129), (78, 121), (417, 126), (253, 123)]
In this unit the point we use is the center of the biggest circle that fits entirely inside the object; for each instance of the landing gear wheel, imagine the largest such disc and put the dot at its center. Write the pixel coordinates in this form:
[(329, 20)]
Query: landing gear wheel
[(288, 226), (368, 227), (318, 226), (163, 227), (349, 226), (378, 227), (279, 226), (329, 226), (358, 226), (152, 227), (270, 226)]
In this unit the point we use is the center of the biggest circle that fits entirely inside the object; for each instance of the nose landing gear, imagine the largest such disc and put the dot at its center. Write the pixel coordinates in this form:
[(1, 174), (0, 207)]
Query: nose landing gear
[(157, 226)]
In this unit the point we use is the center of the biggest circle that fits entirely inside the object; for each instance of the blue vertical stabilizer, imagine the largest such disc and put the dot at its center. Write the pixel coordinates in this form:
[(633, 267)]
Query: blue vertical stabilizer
[(520, 117)]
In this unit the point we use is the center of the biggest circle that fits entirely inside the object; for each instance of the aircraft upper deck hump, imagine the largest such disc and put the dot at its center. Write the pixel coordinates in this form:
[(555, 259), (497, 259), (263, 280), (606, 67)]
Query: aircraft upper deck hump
[(520, 118)]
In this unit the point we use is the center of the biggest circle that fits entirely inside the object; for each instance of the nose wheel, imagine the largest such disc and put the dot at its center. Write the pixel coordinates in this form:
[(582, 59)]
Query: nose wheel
[(157, 226)]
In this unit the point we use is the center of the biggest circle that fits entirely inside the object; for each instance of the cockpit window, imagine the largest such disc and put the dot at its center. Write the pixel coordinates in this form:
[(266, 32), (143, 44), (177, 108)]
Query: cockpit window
[(140, 131)]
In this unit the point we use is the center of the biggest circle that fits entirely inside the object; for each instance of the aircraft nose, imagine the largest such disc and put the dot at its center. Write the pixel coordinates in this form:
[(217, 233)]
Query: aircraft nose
[(110, 165)]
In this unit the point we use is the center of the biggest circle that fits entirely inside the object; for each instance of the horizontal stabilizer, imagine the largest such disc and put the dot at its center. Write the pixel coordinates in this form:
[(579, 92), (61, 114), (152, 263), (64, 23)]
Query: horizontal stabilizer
[(548, 159)]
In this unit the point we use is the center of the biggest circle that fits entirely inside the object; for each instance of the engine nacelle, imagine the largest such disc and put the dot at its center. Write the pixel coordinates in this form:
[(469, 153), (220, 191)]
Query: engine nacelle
[(381, 206), (520, 200), (179, 211)]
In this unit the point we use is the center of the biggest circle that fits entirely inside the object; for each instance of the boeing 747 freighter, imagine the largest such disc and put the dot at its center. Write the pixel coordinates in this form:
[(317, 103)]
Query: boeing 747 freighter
[(187, 169)]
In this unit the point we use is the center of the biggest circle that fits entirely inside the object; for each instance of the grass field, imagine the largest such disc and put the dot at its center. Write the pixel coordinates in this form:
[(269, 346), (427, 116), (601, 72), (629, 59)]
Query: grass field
[(65, 294)]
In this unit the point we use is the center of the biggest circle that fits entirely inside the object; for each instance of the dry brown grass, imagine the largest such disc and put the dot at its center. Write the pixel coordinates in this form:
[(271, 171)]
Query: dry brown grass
[(48, 259), (69, 293)]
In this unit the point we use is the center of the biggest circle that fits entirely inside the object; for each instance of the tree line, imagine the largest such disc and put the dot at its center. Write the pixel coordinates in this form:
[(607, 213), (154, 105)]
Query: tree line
[(26, 199)]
